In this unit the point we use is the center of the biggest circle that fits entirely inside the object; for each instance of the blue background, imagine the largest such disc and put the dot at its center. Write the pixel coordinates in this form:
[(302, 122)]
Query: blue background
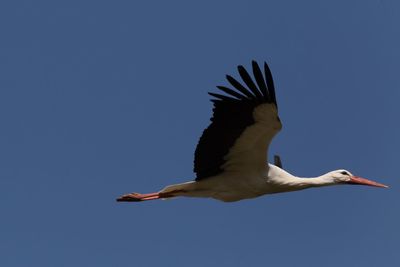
[(101, 98)]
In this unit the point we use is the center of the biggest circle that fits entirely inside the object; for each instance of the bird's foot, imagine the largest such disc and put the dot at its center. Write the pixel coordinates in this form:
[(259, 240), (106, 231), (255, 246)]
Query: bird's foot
[(130, 197), (135, 197)]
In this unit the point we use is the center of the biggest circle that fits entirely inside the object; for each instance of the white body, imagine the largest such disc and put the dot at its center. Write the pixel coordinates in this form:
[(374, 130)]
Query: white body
[(235, 185)]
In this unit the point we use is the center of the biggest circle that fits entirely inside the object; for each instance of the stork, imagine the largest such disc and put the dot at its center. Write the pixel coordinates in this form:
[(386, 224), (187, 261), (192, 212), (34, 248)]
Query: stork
[(230, 160)]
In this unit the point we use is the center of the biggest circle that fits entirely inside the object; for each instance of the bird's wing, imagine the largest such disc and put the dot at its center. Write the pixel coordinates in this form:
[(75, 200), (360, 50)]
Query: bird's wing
[(243, 124)]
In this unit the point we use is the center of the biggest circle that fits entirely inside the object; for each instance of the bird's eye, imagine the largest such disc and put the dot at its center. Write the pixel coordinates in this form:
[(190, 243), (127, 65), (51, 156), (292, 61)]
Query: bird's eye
[(344, 173)]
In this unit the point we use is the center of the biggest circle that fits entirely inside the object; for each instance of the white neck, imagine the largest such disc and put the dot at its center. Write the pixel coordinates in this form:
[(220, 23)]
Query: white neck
[(322, 180), (288, 182)]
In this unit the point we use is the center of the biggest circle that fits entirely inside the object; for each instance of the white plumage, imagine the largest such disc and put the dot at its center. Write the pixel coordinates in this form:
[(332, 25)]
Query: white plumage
[(231, 157)]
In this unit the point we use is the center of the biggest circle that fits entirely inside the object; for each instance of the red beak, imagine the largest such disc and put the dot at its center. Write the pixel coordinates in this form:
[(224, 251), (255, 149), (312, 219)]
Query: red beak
[(363, 181)]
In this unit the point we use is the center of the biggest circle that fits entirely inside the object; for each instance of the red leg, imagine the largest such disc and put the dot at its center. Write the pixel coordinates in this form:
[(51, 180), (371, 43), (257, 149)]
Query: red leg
[(136, 197)]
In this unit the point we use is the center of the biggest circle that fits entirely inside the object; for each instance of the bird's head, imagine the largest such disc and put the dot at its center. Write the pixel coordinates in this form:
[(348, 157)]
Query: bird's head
[(345, 177)]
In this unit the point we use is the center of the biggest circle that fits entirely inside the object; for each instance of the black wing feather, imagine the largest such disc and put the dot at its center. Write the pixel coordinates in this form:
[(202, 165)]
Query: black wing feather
[(232, 114), (259, 78), (221, 97), (240, 87), (231, 92), (270, 83), (249, 82)]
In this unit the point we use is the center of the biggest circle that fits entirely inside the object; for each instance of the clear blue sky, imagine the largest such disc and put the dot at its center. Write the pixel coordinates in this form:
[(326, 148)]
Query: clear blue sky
[(101, 98)]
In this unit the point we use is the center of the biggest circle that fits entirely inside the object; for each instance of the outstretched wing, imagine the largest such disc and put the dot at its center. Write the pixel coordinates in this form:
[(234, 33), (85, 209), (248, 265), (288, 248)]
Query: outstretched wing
[(243, 124)]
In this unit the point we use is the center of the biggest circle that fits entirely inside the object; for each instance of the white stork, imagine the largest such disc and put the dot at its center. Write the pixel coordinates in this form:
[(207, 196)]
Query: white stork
[(231, 157)]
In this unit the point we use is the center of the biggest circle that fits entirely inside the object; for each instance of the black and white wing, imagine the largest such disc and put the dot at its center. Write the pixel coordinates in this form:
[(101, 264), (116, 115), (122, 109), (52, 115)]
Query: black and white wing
[(243, 124)]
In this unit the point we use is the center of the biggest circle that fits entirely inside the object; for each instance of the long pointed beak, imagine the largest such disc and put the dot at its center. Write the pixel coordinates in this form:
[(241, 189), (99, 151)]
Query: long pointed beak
[(363, 181)]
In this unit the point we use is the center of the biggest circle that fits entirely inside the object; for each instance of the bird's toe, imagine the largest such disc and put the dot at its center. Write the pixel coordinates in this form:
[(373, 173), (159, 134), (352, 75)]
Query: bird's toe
[(129, 197)]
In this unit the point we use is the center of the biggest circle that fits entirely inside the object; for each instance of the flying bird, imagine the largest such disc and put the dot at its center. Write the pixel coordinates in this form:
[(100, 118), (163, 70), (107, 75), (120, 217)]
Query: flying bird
[(231, 161)]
